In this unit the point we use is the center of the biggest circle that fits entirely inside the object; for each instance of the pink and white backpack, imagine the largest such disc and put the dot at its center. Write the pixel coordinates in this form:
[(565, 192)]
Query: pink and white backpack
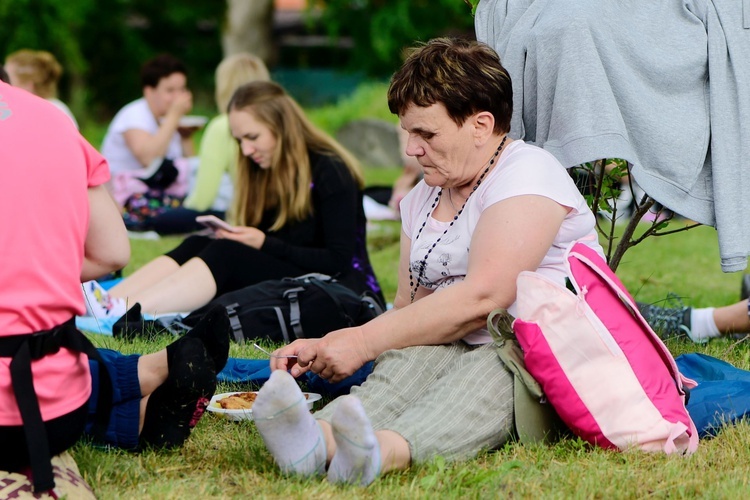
[(609, 377)]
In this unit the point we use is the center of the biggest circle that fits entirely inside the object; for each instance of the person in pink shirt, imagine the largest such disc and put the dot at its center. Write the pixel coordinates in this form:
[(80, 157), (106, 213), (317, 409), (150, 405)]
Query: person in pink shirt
[(60, 227), (66, 228)]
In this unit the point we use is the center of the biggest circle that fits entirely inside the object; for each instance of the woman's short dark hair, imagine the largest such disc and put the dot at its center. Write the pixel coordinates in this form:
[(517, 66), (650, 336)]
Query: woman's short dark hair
[(465, 76), (160, 67)]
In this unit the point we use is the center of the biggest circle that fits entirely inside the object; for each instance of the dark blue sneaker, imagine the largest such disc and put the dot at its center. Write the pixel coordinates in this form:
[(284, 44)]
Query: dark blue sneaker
[(671, 319)]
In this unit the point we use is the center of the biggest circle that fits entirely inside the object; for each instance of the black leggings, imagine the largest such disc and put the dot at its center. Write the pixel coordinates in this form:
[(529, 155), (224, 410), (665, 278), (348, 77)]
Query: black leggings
[(233, 265), (62, 433)]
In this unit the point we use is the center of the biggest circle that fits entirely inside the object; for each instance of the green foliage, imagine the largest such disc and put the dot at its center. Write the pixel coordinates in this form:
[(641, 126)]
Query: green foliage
[(102, 44), (45, 25), (381, 29), (367, 101)]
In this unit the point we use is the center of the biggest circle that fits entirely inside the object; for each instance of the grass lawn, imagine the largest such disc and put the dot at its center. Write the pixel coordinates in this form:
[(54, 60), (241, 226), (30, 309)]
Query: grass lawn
[(224, 459)]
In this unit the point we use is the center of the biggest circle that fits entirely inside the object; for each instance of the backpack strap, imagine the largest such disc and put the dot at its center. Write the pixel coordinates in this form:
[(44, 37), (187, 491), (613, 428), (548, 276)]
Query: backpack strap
[(23, 349), (234, 322), (295, 316)]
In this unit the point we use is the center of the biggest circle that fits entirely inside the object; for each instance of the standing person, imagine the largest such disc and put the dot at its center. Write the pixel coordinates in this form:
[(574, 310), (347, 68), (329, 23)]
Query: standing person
[(38, 72), (147, 133), (212, 188), (488, 208), (64, 228), (297, 210)]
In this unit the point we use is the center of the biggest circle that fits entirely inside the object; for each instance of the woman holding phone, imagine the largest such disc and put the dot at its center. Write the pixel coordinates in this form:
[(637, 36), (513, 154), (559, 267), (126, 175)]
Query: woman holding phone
[(297, 209)]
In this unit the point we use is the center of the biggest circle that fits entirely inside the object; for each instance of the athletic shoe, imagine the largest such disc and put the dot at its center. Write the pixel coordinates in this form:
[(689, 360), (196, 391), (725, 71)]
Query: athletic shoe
[(99, 303), (668, 321)]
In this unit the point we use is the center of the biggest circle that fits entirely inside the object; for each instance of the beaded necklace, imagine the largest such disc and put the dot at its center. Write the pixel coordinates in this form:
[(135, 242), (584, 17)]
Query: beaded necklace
[(423, 264)]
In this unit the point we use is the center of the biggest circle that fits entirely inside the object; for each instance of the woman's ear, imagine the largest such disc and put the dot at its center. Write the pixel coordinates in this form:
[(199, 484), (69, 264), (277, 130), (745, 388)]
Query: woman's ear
[(484, 126)]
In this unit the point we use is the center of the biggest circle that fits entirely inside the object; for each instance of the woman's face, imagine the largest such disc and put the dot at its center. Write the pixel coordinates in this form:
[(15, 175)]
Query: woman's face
[(442, 148), (256, 140)]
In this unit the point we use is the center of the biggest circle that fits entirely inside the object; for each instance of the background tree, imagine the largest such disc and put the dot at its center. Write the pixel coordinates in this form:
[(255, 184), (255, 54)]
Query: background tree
[(248, 27), (381, 29)]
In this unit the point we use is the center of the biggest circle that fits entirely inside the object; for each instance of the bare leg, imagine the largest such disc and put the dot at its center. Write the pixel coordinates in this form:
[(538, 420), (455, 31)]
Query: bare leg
[(732, 319), (325, 427), (145, 277), (394, 451), (152, 372), (191, 286)]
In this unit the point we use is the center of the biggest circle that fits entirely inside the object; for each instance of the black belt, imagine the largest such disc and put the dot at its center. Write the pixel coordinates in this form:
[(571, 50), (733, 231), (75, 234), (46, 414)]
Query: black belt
[(25, 348)]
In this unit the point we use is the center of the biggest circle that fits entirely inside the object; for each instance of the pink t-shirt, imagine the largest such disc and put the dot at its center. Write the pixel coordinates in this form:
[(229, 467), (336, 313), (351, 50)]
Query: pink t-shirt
[(47, 168), (522, 169)]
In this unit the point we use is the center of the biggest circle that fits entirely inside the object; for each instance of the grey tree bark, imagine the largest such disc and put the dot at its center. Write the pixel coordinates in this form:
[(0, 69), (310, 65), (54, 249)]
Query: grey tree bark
[(248, 27)]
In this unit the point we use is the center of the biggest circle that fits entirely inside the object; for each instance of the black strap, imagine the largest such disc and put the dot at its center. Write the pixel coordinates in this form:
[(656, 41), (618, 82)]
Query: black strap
[(234, 322), (23, 349), (295, 315)]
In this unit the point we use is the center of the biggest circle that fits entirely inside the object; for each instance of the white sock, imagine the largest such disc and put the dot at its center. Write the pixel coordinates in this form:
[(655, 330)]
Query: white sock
[(702, 325), (287, 427), (100, 304), (357, 458)]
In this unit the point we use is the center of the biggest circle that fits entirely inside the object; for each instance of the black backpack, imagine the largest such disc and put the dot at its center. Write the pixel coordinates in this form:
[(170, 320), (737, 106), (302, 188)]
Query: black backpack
[(283, 310)]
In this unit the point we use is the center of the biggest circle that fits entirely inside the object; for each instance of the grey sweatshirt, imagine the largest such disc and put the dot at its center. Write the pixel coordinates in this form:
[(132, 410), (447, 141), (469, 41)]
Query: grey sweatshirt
[(662, 84)]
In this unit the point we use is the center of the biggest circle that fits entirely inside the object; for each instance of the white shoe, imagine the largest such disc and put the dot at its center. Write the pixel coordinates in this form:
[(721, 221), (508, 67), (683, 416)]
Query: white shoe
[(99, 303)]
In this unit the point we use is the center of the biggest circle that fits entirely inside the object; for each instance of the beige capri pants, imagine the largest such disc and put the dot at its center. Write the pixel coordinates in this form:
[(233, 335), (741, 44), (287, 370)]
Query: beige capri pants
[(450, 400)]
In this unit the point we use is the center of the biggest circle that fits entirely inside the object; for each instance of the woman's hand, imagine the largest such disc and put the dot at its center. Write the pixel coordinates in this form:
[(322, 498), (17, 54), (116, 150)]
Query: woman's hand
[(334, 357), (250, 236)]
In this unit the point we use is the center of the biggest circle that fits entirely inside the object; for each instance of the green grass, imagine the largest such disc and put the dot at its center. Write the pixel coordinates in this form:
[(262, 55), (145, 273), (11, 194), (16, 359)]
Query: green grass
[(226, 459)]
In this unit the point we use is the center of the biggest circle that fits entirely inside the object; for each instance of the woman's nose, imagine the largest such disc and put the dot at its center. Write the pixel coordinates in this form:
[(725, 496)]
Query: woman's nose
[(413, 148), (247, 148)]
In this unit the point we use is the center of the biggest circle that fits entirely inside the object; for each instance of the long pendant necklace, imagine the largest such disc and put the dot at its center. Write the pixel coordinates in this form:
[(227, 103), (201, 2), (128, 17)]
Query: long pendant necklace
[(414, 284)]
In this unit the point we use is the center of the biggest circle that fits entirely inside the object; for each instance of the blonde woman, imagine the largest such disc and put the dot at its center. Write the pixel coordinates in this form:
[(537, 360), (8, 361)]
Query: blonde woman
[(212, 188), (38, 72), (297, 209)]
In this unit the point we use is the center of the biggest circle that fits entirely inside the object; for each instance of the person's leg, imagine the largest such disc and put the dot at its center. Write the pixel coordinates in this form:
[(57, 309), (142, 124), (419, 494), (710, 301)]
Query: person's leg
[(467, 410), (733, 318), (145, 277), (160, 268), (188, 288), (302, 445)]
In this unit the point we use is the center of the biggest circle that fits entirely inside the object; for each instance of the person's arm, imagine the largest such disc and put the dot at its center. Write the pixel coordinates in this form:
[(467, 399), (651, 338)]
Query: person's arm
[(147, 147), (217, 152), (107, 247), (511, 236)]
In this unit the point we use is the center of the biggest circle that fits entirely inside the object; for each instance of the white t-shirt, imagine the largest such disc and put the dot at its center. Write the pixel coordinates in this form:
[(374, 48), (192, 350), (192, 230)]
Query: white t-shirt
[(522, 169), (134, 116), (64, 108)]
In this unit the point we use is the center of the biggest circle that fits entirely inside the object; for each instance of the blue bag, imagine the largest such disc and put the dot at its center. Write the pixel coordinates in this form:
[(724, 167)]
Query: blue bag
[(257, 371), (722, 396)]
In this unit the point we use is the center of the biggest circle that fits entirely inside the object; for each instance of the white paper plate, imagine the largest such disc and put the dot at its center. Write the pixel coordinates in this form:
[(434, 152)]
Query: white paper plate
[(189, 121), (216, 409)]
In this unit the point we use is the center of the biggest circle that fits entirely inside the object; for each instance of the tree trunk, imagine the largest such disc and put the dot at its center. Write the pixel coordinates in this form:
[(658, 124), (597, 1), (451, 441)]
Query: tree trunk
[(248, 28)]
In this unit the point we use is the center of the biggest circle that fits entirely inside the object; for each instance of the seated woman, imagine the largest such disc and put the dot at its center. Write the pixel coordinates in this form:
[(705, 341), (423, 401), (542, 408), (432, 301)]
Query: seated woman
[(212, 188), (488, 208), (297, 210)]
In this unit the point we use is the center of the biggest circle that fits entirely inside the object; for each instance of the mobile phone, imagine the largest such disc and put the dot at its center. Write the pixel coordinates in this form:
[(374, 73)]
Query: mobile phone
[(213, 222)]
